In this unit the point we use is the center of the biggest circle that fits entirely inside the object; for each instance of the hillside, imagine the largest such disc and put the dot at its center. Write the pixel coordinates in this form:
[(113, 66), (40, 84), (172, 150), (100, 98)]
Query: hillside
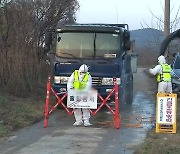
[(147, 37)]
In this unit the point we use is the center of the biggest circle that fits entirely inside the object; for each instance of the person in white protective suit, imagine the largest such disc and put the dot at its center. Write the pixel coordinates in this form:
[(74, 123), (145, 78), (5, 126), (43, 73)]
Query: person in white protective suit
[(81, 79), (163, 72)]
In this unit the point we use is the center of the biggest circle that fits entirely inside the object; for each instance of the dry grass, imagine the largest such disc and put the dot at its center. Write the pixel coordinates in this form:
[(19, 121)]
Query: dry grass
[(160, 143), (163, 143), (17, 112)]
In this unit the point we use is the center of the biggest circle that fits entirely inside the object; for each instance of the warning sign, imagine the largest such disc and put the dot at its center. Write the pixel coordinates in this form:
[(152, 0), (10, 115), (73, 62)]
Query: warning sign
[(166, 110), (166, 113), (82, 99)]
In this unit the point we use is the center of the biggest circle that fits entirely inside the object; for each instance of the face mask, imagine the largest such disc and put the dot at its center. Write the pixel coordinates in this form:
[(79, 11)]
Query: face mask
[(82, 73)]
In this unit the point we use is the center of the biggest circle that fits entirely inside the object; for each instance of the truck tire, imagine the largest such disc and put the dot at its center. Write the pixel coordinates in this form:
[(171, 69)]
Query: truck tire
[(129, 93), (121, 97), (126, 94)]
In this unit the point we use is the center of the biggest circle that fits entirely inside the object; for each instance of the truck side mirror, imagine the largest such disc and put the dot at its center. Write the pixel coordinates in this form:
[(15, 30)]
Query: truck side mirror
[(127, 42), (127, 45), (126, 34)]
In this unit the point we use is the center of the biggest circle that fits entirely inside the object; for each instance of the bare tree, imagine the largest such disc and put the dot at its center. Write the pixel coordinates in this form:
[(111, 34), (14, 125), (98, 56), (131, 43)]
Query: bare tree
[(162, 22), (23, 27)]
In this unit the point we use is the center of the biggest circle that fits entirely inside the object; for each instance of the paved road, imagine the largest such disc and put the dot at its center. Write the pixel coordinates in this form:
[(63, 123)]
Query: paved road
[(62, 138)]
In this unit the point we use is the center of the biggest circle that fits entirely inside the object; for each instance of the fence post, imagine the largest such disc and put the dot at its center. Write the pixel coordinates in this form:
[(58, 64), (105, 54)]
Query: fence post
[(46, 113), (117, 118)]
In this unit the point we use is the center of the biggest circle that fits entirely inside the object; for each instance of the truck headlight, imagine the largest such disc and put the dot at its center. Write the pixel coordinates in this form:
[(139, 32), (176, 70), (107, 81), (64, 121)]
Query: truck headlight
[(118, 81), (109, 81), (64, 79), (61, 79), (56, 79)]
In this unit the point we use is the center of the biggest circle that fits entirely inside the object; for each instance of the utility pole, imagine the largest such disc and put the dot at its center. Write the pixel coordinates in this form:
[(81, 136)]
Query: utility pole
[(167, 18), (167, 26)]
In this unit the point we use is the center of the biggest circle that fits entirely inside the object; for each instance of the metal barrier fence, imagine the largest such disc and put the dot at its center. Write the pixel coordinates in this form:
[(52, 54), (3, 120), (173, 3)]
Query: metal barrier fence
[(104, 102)]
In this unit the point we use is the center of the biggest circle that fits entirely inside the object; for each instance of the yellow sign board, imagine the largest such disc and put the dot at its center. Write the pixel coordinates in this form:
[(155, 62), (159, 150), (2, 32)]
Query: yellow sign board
[(166, 113)]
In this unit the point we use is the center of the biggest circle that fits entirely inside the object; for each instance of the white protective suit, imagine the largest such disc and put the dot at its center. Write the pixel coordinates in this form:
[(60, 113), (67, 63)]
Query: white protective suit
[(81, 114), (163, 87)]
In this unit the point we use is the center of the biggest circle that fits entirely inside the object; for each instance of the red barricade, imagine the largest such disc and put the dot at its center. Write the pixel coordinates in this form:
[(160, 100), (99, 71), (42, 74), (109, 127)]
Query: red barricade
[(71, 111)]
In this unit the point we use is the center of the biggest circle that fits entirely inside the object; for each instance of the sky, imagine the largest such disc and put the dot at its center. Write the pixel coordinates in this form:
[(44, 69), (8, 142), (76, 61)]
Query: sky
[(136, 13)]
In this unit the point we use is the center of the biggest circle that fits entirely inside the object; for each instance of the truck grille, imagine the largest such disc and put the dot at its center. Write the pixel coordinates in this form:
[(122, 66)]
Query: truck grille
[(96, 80)]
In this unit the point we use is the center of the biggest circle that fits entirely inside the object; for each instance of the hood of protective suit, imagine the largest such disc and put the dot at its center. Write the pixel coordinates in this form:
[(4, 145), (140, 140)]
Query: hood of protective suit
[(161, 60), (82, 68)]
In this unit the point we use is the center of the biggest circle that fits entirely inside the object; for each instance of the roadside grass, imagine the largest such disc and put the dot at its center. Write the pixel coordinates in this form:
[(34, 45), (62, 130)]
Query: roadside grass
[(156, 143), (160, 143), (163, 143), (17, 113)]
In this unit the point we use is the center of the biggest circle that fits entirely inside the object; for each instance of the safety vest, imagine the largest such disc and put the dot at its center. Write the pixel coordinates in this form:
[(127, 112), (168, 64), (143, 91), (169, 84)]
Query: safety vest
[(80, 84), (166, 73)]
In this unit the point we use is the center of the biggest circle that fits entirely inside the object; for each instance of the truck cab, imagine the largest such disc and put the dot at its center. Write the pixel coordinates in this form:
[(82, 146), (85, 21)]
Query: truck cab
[(102, 47)]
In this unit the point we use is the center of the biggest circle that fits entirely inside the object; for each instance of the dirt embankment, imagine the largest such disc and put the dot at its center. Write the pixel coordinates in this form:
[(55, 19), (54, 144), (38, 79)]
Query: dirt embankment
[(16, 112)]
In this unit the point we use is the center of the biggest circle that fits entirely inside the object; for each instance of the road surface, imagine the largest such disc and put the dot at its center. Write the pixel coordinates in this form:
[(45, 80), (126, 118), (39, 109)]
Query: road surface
[(61, 137)]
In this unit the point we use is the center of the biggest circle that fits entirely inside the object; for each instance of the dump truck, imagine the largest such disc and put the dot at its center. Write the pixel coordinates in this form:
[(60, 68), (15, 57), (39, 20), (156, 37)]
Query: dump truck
[(103, 47)]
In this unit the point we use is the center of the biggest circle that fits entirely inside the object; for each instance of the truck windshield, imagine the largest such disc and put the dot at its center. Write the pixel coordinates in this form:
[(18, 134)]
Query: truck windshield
[(177, 63), (88, 45)]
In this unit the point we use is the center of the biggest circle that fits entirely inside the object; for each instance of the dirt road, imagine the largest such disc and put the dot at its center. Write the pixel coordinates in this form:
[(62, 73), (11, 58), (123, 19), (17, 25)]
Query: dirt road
[(63, 138)]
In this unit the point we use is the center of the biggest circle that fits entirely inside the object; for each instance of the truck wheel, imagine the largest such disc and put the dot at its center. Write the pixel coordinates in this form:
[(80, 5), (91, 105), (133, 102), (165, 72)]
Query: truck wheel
[(121, 97), (129, 94)]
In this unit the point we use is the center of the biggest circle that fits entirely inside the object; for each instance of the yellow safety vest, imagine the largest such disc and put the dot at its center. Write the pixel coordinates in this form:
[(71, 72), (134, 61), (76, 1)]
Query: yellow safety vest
[(77, 83), (166, 73)]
